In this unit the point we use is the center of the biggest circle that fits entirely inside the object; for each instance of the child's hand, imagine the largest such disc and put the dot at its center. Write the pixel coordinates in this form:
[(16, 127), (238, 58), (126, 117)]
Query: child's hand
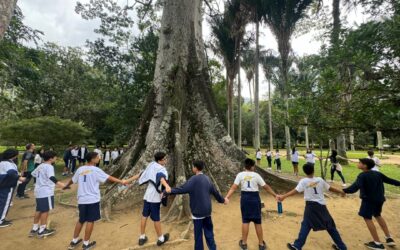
[(22, 179), (226, 201), (125, 182), (168, 189), (280, 198)]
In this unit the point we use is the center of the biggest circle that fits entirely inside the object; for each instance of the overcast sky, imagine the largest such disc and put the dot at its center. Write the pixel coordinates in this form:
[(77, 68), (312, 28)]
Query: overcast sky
[(60, 24)]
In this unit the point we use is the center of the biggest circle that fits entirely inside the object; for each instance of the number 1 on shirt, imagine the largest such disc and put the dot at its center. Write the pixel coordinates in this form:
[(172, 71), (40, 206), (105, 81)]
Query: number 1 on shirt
[(315, 190), (248, 184), (84, 178)]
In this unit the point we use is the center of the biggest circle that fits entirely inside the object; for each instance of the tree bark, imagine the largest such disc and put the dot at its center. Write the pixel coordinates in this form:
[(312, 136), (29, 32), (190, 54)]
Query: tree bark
[(256, 94), (239, 141), (287, 129), (180, 117), (335, 35), (231, 109), (306, 133), (271, 143), (351, 140), (228, 117), (6, 12), (341, 148)]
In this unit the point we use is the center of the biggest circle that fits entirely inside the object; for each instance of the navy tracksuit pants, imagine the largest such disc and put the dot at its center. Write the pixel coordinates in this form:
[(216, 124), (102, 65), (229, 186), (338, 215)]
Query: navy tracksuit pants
[(6, 195)]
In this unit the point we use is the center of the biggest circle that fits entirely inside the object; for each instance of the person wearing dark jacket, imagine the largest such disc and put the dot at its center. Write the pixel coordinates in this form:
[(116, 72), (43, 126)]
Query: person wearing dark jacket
[(200, 188), (372, 195), (8, 181), (82, 151)]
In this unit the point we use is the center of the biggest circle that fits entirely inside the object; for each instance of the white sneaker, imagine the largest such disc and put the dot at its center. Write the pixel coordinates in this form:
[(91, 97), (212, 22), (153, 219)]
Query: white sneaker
[(344, 185), (330, 181)]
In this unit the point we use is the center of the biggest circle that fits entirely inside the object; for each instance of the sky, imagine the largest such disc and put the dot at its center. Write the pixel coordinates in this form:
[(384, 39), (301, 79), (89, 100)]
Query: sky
[(61, 25)]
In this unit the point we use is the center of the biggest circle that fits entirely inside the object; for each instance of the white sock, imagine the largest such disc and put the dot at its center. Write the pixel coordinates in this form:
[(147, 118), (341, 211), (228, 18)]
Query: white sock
[(378, 243), (86, 242), (387, 237), (142, 236), (75, 240), (35, 227), (161, 238), (42, 228)]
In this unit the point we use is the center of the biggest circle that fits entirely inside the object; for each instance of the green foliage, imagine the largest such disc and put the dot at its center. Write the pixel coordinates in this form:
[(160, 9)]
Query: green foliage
[(49, 131)]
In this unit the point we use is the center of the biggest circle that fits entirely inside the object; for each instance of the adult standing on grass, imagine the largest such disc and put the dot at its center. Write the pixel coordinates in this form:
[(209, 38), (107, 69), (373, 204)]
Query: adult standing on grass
[(8, 181), (258, 157), (295, 161), (27, 166), (336, 167)]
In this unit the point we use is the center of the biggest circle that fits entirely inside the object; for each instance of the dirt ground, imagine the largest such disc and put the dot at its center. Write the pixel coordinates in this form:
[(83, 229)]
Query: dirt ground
[(123, 231)]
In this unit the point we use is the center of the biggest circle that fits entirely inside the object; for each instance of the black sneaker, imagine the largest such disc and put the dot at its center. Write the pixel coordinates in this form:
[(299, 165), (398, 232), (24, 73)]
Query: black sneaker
[(46, 232), (143, 241), (166, 238), (390, 242), (242, 246), (291, 246), (89, 246), (33, 233), (5, 223), (372, 245), (263, 246), (72, 245)]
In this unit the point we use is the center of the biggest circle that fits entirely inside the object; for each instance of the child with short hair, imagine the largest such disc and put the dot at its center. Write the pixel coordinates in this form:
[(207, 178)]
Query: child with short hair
[(316, 214), (44, 193), (88, 178), (250, 202), (200, 188), (156, 176), (372, 195), (268, 154)]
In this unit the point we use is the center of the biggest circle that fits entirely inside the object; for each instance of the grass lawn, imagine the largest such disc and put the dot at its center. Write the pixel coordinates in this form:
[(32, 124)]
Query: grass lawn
[(350, 172)]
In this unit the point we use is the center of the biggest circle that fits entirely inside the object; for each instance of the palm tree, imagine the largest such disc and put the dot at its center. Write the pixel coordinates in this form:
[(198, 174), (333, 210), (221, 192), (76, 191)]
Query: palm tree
[(269, 63), (282, 16), (258, 10), (247, 64), (229, 30)]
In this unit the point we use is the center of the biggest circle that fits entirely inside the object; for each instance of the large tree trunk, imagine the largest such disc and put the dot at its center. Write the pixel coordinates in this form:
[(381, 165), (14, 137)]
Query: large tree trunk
[(231, 111), (6, 12), (271, 143), (256, 94), (239, 141), (335, 34), (180, 116)]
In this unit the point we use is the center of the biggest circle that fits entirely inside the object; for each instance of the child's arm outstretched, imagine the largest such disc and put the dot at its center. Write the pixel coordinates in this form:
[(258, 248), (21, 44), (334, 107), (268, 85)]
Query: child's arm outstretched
[(353, 188), (113, 179), (338, 191), (288, 194), (390, 181), (270, 190), (231, 191), (133, 178)]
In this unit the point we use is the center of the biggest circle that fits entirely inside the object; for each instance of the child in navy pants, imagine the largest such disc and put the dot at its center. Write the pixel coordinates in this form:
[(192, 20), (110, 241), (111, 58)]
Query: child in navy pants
[(200, 188)]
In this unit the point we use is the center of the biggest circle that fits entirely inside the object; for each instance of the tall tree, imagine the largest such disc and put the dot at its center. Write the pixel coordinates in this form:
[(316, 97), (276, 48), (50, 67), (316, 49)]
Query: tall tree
[(180, 114), (282, 17), (6, 12), (269, 63)]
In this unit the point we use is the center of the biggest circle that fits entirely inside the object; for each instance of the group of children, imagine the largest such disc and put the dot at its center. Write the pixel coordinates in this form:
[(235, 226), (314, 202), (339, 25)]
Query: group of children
[(76, 154), (200, 189)]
